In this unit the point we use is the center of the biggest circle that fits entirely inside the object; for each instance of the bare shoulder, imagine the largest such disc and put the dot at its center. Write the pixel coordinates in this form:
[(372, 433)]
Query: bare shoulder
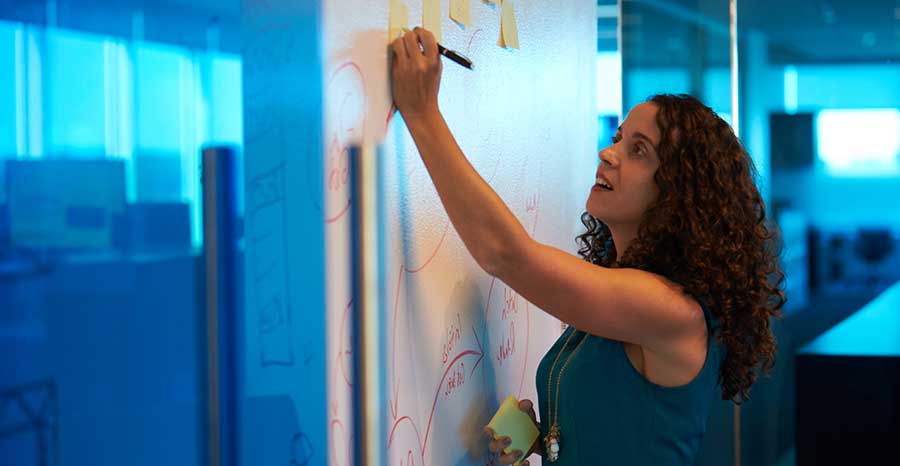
[(685, 310), (678, 361)]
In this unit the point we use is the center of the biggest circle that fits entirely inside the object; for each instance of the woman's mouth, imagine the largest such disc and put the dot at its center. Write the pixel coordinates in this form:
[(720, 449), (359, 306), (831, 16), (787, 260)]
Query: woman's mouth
[(601, 185)]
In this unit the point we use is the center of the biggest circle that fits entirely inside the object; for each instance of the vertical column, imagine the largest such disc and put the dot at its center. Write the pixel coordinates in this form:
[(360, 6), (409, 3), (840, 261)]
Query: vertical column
[(755, 96), (367, 334), (219, 181), (735, 123)]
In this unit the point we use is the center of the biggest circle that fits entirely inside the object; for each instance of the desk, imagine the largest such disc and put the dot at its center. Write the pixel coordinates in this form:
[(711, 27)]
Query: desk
[(117, 337), (848, 388)]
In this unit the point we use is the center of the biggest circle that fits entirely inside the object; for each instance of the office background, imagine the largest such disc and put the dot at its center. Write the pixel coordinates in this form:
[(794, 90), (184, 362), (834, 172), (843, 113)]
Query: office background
[(105, 107)]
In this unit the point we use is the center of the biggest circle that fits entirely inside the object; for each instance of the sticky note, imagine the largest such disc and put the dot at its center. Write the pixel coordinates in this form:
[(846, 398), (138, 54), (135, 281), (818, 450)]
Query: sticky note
[(431, 17), (509, 32), (398, 20), (510, 421), (461, 12)]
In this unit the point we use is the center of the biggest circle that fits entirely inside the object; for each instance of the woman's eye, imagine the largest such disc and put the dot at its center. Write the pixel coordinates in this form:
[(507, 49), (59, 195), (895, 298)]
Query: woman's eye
[(616, 138)]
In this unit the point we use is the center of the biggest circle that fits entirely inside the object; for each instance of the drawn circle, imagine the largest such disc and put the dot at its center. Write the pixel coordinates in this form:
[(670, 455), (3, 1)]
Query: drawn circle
[(404, 442), (340, 444), (345, 124)]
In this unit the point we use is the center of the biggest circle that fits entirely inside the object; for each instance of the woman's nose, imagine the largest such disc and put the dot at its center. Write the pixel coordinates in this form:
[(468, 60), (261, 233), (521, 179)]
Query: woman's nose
[(607, 157)]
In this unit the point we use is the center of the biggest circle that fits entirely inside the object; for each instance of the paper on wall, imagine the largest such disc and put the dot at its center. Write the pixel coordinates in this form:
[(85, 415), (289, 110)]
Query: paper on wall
[(431, 17), (509, 32), (398, 20), (461, 12)]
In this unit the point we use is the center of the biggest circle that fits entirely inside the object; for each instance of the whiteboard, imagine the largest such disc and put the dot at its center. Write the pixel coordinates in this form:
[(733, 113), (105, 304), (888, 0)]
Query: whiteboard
[(458, 341)]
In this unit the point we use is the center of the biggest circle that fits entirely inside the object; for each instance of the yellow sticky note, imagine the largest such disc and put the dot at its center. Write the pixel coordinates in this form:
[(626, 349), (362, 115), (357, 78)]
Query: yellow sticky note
[(398, 20), (431, 17), (461, 12), (510, 421), (509, 32)]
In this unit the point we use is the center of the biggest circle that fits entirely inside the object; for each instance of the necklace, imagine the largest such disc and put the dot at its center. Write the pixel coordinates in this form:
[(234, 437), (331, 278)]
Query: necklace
[(554, 435)]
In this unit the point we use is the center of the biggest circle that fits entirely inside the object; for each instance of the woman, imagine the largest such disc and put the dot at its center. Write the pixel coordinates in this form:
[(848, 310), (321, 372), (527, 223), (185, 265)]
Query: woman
[(669, 304)]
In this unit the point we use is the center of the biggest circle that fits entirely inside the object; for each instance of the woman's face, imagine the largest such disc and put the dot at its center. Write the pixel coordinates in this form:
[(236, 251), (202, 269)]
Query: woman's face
[(628, 165)]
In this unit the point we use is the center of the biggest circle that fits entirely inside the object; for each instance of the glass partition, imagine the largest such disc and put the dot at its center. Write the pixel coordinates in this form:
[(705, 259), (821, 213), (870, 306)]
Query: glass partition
[(820, 108), (105, 107)]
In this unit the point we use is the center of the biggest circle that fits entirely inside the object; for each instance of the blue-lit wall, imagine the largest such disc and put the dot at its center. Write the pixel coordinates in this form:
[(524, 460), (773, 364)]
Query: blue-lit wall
[(852, 181), (72, 94), (829, 196), (8, 93), (832, 197), (101, 343), (116, 344)]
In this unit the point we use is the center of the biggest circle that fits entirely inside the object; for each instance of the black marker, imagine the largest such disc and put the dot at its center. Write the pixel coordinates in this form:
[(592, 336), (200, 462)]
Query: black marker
[(455, 56)]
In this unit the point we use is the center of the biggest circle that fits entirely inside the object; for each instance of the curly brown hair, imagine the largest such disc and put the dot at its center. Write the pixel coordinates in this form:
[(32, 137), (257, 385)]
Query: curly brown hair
[(707, 231)]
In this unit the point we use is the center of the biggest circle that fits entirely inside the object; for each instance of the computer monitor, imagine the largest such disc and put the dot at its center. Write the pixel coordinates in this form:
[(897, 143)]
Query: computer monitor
[(155, 228), (64, 204), (791, 141)]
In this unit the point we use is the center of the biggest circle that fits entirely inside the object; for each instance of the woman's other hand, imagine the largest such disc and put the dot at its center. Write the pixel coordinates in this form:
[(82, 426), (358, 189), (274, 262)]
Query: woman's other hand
[(415, 73), (497, 445)]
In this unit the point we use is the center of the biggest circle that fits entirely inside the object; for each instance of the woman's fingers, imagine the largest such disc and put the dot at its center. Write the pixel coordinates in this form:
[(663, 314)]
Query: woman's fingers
[(399, 49), (497, 445), (528, 407), (525, 405), (511, 458), (411, 40), (428, 42)]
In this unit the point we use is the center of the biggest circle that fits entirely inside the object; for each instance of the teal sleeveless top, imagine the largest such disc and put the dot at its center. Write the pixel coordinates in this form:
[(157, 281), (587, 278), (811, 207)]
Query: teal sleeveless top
[(610, 414)]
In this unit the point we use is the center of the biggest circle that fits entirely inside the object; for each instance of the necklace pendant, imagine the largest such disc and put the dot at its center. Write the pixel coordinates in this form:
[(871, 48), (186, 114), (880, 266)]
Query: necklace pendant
[(551, 443)]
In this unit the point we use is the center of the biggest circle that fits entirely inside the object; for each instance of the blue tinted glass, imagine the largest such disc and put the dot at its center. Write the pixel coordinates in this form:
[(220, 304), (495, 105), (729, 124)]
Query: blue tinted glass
[(105, 107), (819, 110)]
